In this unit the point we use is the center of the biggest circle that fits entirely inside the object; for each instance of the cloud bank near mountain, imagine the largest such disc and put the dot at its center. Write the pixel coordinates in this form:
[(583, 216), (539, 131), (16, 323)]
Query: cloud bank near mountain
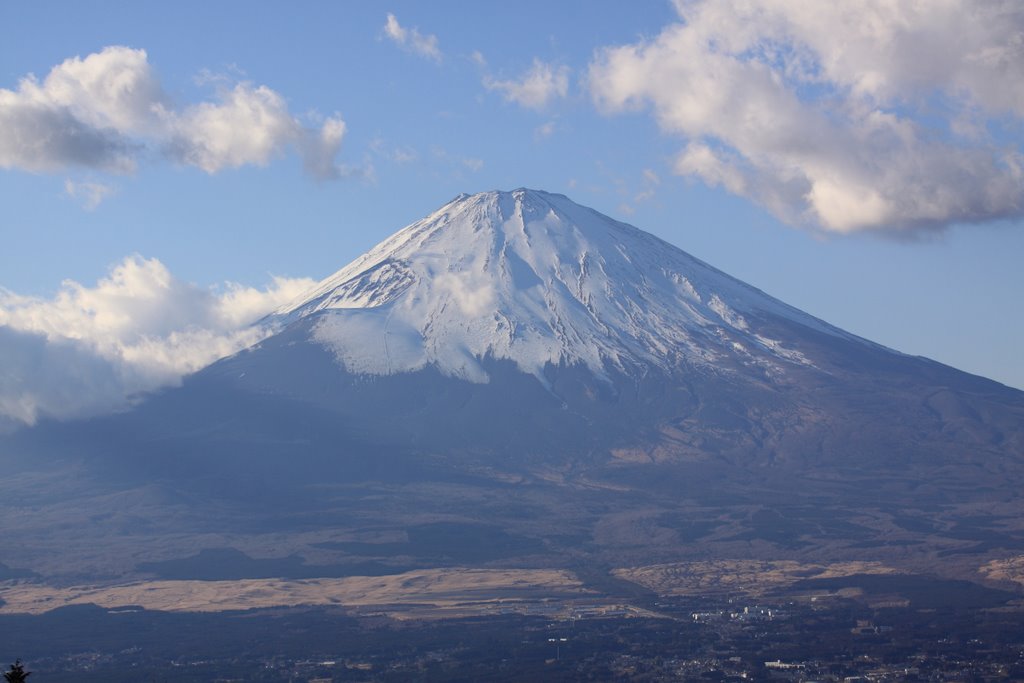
[(843, 116), (90, 349)]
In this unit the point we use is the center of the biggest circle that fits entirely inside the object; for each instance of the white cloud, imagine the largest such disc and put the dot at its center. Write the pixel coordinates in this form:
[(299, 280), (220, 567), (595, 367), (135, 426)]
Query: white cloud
[(545, 130), (843, 115), (90, 194), (534, 89), (472, 293), (248, 126), (402, 156), (411, 39), (700, 160), (40, 138), (320, 149), (455, 163), (91, 349), (650, 181), (103, 111)]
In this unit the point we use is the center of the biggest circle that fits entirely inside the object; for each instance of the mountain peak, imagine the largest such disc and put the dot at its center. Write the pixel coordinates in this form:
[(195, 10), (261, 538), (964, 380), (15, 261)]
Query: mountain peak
[(537, 279)]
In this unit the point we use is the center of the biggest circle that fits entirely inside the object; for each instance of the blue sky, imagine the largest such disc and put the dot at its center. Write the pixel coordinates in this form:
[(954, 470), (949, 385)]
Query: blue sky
[(876, 186)]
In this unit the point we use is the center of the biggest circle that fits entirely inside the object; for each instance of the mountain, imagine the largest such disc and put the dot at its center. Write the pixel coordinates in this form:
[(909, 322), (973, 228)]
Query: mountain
[(533, 278), (504, 310), (573, 386)]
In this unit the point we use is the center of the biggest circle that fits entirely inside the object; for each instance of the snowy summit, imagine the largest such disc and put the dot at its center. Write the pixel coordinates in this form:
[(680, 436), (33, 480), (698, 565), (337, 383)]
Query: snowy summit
[(537, 279)]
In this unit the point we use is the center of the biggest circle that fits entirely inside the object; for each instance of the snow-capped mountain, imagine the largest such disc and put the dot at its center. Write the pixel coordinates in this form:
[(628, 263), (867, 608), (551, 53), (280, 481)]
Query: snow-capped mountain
[(534, 278), (523, 322), (517, 361)]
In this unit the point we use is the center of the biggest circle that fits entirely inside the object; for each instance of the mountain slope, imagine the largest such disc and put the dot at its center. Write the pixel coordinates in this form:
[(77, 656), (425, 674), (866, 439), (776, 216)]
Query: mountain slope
[(522, 362), (522, 322), (536, 279)]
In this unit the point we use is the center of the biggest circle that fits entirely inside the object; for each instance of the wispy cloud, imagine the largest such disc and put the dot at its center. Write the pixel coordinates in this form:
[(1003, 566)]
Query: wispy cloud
[(845, 116), (89, 194), (534, 89), (424, 45), (400, 155), (90, 349), (650, 183), (106, 110), (545, 130), (455, 163)]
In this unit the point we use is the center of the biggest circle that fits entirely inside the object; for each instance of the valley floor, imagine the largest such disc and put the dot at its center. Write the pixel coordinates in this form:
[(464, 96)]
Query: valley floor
[(736, 620)]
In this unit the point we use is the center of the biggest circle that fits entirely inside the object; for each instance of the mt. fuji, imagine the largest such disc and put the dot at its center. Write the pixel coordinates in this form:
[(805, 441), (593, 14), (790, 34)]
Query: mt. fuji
[(524, 365), (536, 279), (521, 320)]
